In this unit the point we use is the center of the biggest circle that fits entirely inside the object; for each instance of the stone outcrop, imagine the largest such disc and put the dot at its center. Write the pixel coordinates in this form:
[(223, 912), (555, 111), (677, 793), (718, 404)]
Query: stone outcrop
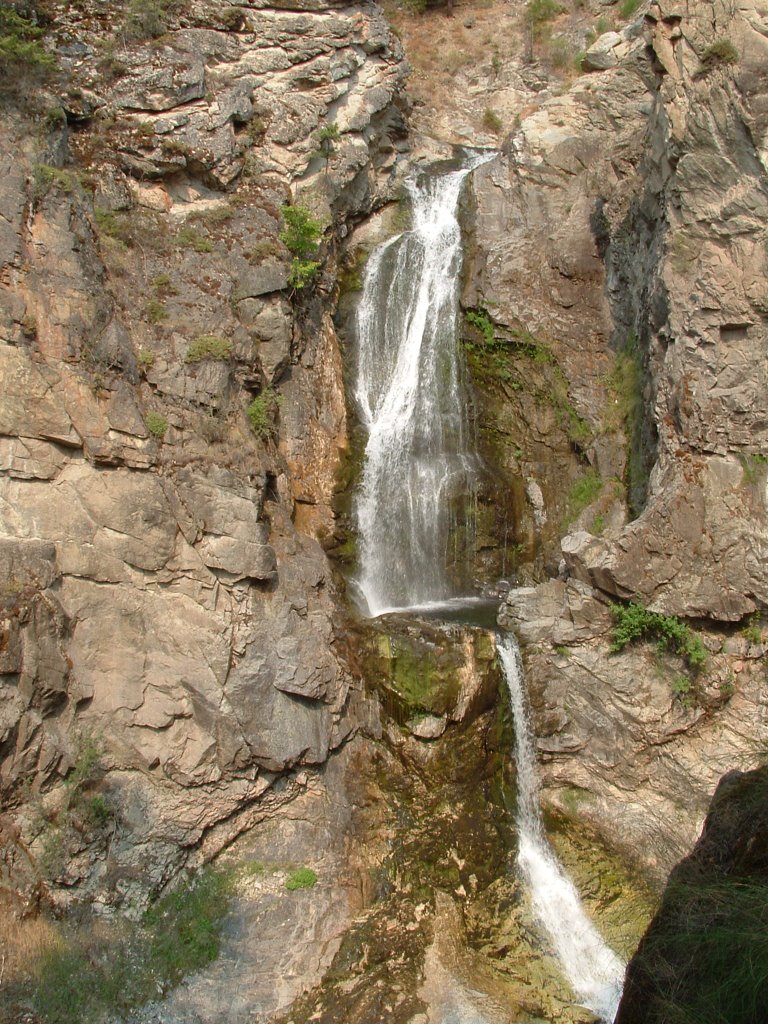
[(646, 181), (167, 611), (633, 741)]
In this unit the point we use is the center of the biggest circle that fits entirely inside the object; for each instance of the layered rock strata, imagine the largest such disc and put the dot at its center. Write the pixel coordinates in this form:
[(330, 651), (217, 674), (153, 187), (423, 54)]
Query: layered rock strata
[(168, 612)]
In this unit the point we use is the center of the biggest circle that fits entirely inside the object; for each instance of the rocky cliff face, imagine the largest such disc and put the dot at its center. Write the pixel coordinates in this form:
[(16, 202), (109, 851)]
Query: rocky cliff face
[(168, 612), (618, 249)]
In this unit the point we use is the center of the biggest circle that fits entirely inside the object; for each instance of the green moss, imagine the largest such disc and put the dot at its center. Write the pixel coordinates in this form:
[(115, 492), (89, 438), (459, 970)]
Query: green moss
[(303, 878), (189, 238)]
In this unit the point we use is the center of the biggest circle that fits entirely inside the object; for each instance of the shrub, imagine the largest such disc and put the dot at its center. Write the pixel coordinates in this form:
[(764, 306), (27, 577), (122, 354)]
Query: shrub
[(722, 51), (20, 47), (208, 346), (492, 121), (628, 7), (261, 413), (47, 179), (633, 622), (147, 19), (537, 12), (156, 311), (480, 319), (301, 236), (186, 925), (85, 976), (189, 238), (156, 424), (303, 878)]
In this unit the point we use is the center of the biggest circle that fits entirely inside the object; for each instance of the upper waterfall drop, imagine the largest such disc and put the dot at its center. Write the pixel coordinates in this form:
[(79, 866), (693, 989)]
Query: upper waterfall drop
[(594, 971), (420, 470)]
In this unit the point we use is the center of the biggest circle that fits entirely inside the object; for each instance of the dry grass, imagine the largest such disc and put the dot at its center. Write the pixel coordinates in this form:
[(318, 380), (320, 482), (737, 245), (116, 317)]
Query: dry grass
[(22, 942)]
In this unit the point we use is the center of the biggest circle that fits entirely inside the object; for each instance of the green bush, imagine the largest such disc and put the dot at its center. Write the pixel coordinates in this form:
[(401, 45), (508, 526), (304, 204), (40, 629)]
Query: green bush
[(261, 413), (303, 878), (20, 47), (633, 622), (722, 51), (628, 7), (189, 238), (208, 346), (537, 12), (301, 236), (480, 319), (186, 925), (147, 19), (492, 121), (156, 311), (156, 424), (47, 179), (85, 977)]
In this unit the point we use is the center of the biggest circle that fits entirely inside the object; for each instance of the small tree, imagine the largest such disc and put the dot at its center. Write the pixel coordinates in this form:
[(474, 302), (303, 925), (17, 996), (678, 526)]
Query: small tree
[(20, 47), (327, 137), (301, 236)]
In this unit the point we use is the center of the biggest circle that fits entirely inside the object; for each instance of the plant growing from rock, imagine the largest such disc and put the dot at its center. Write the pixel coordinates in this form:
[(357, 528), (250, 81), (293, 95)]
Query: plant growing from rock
[(208, 346), (21, 49), (301, 236), (303, 878), (633, 622), (492, 121), (326, 138), (262, 413), (156, 424), (722, 51)]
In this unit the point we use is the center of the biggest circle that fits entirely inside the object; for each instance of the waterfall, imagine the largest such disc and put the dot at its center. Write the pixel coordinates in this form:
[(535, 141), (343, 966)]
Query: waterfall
[(596, 974), (419, 474)]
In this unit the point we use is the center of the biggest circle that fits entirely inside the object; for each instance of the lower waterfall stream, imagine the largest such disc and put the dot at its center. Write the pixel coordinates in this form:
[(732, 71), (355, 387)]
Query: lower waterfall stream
[(594, 971), (416, 496)]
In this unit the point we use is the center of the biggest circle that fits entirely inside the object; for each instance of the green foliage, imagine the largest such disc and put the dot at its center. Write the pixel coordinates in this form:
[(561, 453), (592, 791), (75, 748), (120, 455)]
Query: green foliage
[(208, 346), (752, 465), (633, 622), (598, 524), (189, 238), (625, 412), (304, 878), (537, 12), (47, 179), (186, 925), (326, 138), (156, 424), (156, 311), (147, 19), (753, 632), (88, 753), (492, 121), (480, 319), (262, 412), (582, 493), (146, 358), (722, 51), (21, 49), (301, 236), (706, 961), (628, 7), (85, 977), (301, 233)]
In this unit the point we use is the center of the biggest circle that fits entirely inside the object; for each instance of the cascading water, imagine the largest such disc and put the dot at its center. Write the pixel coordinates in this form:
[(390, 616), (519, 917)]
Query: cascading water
[(418, 482), (595, 972)]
